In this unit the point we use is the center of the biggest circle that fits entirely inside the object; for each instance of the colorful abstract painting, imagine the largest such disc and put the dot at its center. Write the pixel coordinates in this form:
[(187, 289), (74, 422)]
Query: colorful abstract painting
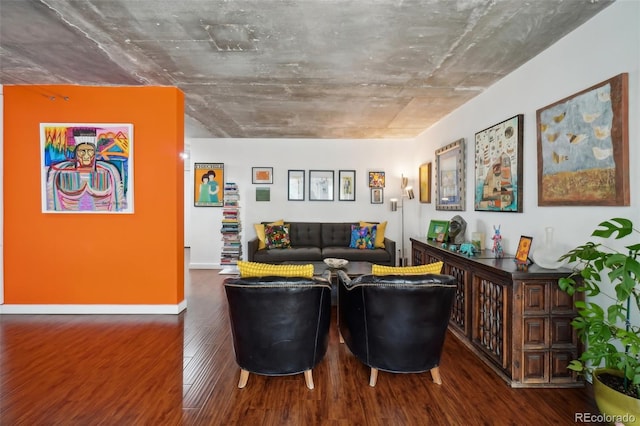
[(583, 147), (498, 167), (87, 168)]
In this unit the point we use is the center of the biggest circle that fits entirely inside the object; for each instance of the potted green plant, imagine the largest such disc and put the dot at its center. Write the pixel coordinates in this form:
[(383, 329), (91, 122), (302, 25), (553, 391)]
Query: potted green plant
[(612, 343)]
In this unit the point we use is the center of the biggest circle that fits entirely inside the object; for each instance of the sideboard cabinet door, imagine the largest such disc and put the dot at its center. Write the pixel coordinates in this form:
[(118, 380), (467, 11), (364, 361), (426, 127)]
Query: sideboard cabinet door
[(518, 322)]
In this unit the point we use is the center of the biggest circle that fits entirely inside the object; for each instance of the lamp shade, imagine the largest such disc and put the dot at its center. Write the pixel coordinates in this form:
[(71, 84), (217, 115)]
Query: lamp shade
[(408, 192), (404, 183), (394, 204)]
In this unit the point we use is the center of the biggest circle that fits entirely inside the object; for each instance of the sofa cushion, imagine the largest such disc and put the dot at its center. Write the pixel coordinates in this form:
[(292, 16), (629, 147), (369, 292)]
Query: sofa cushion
[(308, 254), (363, 237), (380, 230), (430, 268), (259, 227), (305, 234), (357, 255), (256, 269), (336, 234), (277, 236)]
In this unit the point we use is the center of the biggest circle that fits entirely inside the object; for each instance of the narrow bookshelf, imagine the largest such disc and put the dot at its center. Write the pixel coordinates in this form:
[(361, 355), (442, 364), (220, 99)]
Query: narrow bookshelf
[(232, 246)]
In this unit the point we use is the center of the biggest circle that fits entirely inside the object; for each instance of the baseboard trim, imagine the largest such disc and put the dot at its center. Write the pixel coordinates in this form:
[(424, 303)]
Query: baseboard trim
[(204, 266), (93, 309)]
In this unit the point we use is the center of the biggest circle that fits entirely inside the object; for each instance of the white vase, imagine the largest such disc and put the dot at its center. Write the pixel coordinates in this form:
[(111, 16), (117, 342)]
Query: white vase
[(547, 255)]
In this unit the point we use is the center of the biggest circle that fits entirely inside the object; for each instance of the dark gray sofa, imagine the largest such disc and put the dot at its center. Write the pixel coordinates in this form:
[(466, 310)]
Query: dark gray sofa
[(315, 241)]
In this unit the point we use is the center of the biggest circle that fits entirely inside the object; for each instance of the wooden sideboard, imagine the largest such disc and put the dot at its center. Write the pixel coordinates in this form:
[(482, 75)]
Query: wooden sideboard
[(517, 321)]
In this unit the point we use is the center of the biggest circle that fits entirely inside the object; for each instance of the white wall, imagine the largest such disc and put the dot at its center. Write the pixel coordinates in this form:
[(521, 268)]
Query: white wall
[(240, 155)]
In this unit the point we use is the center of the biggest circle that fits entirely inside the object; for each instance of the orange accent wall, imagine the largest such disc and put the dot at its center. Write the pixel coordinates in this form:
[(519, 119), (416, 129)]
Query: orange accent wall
[(94, 258)]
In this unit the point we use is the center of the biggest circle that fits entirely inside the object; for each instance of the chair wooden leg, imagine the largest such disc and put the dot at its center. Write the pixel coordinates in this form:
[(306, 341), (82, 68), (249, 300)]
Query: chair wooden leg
[(435, 375), (373, 378), (308, 379), (244, 377)]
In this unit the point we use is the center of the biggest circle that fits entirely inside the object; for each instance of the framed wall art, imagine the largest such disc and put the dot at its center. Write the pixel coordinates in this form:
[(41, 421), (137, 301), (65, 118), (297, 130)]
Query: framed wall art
[(86, 168), (208, 183), (263, 193), (377, 195), (320, 185), (583, 147), (296, 185), (438, 230), (347, 182), (524, 246), (262, 175), (424, 176), (498, 167), (376, 179), (450, 176)]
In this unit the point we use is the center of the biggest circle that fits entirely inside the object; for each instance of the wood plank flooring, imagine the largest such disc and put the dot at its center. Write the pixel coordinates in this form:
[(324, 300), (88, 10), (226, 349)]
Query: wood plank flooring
[(180, 370)]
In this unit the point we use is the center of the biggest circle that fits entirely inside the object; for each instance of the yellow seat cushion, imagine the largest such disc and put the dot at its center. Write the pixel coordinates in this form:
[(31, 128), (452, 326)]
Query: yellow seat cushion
[(257, 269), (431, 268), (380, 228), (259, 227)]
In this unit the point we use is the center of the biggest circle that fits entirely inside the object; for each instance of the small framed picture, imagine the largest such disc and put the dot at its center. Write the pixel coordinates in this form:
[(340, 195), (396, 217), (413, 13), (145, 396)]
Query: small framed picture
[(425, 183), (320, 185), (376, 179), (263, 194), (296, 185), (208, 184), (377, 196), (347, 181), (438, 230), (262, 175), (522, 254)]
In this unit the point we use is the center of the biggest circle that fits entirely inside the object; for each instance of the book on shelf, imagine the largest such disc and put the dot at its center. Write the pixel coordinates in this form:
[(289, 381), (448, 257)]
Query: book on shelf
[(230, 226)]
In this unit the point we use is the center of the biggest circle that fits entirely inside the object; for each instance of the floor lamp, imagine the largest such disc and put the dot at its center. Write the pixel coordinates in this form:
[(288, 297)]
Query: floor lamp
[(406, 192)]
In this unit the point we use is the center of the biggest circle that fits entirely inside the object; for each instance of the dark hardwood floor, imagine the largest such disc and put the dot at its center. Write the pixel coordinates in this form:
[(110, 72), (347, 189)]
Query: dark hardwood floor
[(180, 370)]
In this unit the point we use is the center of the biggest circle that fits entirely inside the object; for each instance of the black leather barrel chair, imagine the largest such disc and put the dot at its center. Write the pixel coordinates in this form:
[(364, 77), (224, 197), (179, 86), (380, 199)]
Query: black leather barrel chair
[(280, 325), (396, 323)]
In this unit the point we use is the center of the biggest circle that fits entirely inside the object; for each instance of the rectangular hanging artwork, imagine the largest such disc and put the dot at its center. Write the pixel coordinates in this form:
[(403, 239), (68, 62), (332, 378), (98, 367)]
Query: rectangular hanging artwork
[(498, 167), (583, 147), (86, 168)]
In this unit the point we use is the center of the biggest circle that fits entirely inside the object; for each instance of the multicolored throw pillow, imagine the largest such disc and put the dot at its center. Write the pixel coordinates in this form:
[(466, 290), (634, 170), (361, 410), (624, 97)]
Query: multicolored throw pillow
[(431, 268), (259, 227), (363, 237), (276, 236), (257, 269), (381, 227)]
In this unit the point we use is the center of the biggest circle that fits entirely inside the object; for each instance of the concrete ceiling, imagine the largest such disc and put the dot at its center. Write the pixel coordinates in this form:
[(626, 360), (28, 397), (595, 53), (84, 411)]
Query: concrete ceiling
[(289, 68)]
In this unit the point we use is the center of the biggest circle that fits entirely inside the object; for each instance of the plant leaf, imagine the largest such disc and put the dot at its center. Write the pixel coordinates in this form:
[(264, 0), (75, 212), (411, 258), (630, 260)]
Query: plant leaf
[(623, 227)]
